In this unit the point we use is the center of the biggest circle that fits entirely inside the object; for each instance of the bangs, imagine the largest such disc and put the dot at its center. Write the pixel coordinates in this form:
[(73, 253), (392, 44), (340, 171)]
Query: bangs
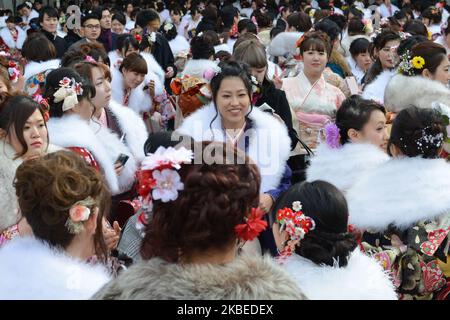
[(136, 63), (314, 44)]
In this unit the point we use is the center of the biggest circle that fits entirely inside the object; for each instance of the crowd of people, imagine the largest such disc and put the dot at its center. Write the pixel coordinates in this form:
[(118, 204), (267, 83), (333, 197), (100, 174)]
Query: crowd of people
[(221, 149)]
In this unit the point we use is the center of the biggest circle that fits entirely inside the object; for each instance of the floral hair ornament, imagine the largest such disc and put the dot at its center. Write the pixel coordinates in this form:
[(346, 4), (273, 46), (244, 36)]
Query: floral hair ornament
[(299, 42), (252, 227), (78, 213), (13, 72), (296, 224), (151, 37), (90, 59), (68, 91), (43, 104), (138, 38), (255, 84), (332, 136), (168, 26), (158, 178), (211, 73)]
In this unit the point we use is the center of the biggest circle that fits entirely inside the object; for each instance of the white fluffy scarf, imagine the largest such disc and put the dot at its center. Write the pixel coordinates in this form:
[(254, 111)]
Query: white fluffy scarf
[(31, 269), (375, 89), (32, 68), (8, 39), (269, 147), (401, 192)]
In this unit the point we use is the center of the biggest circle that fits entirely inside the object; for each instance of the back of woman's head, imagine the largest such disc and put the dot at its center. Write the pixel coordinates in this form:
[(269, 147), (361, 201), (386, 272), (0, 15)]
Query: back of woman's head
[(251, 52), (48, 187), (201, 47), (169, 30), (355, 27), (406, 44), (52, 85), (134, 62), (15, 110), (300, 21), (38, 48), (94, 50), (433, 14), (215, 198), (329, 241), (330, 28), (415, 27), (355, 113), (418, 132), (432, 53), (262, 19), (231, 69)]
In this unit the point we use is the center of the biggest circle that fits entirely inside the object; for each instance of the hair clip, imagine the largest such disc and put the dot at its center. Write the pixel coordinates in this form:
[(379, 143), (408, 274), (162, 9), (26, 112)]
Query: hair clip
[(78, 213), (68, 91)]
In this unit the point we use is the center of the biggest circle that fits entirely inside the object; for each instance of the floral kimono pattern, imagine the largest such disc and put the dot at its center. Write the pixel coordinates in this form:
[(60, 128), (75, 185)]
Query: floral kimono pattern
[(34, 85), (414, 257)]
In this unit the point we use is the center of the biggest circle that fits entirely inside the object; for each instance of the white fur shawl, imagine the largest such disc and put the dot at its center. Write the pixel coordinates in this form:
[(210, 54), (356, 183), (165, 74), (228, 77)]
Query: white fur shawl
[(375, 89), (223, 47), (32, 68), (402, 191), (344, 166), (363, 278), (403, 91), (31, 269), (284, 43), (105, 146), (8, 39), (154, 67), (196, 68), (246, 278), (133, 126), (269, 147), (179, 44)]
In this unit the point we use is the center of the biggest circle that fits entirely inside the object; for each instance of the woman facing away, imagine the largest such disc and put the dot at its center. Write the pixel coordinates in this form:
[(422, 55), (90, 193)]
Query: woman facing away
[(63, 199), (310, 226), (190, 249)]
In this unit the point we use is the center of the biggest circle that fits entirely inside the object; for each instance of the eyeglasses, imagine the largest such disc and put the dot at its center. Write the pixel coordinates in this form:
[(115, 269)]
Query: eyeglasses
[(90, 26)]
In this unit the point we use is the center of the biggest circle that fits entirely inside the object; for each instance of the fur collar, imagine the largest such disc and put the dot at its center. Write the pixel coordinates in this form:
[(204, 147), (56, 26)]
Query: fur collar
[(403, 91), (246, 278), (7, 37), (179, 44), (72, 131), (32, 68), (400, 192), (154, 67), (375, 89), (362, 278), (31, 269), (196, 67), (344, 166), (269, 146), (284, 44), (223, 47), (133, 126)]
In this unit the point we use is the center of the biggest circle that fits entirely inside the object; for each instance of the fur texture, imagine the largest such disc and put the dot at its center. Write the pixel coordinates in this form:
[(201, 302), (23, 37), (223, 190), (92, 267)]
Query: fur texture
[(179, 44), (375, 90), (362, 278), (133, 126), (34, 67), (402, 191), (403, 91), (9, 40), (196, 68), (284, 43), (31, 269), (344, 166), (154, 66), (246, 278), (223, 47), (269, 147), (105, 146)]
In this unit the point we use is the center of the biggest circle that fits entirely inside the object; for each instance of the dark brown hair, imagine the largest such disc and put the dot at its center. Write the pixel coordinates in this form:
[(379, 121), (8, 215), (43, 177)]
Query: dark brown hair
[(316, 40), (134, 62), (95, 50), (300, 21), (84, 69), (15, 110), (38, 48), (216, 197), (433, 54), (46, 189)]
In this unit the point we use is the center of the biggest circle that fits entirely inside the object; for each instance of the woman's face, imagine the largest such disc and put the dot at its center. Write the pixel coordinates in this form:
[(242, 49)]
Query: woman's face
[(232, 102), (442, 73), (314, 61), (364, 61), (175, 17), (34, 134), (259, 73), (102, 89), (3, 87), (129, 8), (374, 131), (132, 79), (117, 27), (388, 54)]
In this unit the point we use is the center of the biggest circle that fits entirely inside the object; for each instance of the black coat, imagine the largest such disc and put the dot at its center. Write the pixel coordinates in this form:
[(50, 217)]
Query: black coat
[(71, 38), (277, 100), (163, 55), (59, 43)]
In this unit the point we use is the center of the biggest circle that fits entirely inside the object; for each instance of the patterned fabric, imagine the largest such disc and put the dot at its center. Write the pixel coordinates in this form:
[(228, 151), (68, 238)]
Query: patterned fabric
[(87, 156), (9, 234), (126, 97), (35, 84), (414, 257)]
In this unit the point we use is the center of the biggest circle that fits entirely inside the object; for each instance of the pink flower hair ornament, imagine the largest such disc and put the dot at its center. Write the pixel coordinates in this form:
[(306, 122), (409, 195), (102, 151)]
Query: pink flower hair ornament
[(90, 59), (78, 213)]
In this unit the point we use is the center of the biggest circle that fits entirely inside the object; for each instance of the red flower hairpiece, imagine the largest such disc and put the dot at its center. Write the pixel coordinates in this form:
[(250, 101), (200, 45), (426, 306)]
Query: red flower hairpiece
[(45, 107), (138, 38), (253, 226)]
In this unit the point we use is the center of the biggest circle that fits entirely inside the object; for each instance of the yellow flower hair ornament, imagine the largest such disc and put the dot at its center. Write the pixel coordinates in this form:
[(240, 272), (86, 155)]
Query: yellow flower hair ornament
[(418, 62)]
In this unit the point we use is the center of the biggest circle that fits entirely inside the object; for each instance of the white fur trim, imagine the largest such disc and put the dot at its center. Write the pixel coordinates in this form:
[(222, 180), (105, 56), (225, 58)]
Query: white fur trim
[(375, 89), (403, 91), (402, 191), (154, 66), (31, 269), (133, 126), (105, 146), (269, 147), (223, 47), (9, 40), (362, 279), (344, 166), (179, 44), (34, 67), (284, 43), (196, 67)]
